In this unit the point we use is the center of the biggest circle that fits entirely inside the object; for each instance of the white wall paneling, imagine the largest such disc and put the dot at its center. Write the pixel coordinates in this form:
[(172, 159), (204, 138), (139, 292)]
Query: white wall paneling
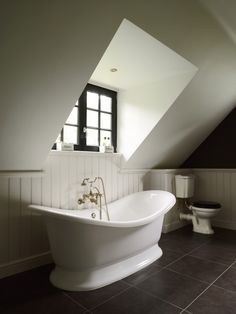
[(4, 219), (219, 185), (23, 234)]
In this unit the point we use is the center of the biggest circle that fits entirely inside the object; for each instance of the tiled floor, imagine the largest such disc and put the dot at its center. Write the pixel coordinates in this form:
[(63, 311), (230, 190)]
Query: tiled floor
[(197, 274)]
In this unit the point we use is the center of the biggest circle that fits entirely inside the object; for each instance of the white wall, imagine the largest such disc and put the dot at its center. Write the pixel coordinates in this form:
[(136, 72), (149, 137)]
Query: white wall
[(23, 239), (140, 109), (211, 185)]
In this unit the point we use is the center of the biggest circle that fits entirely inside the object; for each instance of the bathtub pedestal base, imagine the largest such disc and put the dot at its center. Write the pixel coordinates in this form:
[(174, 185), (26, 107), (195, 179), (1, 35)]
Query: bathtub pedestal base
[(91, 279)]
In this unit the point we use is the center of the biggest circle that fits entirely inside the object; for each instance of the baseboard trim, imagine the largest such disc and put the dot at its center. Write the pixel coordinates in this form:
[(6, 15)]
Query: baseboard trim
[(224, 224), (174, 226), (179, 224), (25, 264)]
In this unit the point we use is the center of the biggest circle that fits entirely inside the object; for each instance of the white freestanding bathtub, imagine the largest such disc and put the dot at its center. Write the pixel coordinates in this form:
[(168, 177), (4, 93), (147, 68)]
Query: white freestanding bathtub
[(91, 253)]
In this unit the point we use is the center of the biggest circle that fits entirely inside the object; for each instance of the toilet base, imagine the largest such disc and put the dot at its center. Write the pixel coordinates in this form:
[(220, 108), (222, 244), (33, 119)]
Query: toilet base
[(202, 225)]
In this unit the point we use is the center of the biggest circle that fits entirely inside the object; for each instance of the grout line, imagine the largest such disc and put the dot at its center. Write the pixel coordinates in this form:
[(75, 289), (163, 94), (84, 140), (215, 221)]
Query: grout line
[(227, 290), (158, 269), (74, 301), (209, 260), (163, 300), (188, 276), (208, 287), (179, 258), (129, 284), (161, 267), (115, 295)]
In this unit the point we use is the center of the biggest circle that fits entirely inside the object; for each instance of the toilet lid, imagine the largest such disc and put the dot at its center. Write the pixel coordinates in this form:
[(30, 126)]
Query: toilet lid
[(206, 204)]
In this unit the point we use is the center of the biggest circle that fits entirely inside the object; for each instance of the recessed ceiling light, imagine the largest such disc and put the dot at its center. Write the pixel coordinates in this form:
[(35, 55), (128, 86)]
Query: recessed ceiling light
[(113, 70)]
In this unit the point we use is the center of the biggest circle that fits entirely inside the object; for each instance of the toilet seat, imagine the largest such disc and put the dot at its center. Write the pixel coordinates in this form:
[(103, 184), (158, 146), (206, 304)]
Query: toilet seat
[(206, 205), (205, 210)]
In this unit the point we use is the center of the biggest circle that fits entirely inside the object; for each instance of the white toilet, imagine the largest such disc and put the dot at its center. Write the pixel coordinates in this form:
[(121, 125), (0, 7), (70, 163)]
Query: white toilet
[(202, 211)]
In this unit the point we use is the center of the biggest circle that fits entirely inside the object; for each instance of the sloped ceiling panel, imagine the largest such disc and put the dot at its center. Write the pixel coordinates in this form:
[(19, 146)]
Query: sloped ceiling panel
[(219, 149), (49, 50)]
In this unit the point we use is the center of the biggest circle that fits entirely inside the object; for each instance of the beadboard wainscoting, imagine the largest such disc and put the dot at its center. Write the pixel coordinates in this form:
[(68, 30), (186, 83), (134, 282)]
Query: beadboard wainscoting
[(23, 238), (210, 185), (218, 185)]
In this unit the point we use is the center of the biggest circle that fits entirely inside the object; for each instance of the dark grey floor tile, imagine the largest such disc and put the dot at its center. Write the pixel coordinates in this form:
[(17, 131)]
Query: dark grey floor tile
[(173, 287), (187, 232), (90, 299), (198, 268), (215, 301), (51, 304), (227, 280), (216, 253), (25, 286), (136, 302), (224, 243), (225, 234), (182, 243), (167, 258), (141, 275), (179, 246)]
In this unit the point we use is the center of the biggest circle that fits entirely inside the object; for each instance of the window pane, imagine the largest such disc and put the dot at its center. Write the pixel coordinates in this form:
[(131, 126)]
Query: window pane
[(73, 117), (105, 121), (92, 118), (70, 134), (105, 103), (92, 137), (92, 100), (105, 137)]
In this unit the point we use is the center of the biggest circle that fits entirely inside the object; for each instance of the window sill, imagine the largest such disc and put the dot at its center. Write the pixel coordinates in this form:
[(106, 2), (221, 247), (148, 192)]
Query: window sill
[(82, 153)]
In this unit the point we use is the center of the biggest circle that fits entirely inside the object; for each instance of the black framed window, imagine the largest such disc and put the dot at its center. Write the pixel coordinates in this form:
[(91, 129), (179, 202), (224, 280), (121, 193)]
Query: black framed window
[(92, 121)]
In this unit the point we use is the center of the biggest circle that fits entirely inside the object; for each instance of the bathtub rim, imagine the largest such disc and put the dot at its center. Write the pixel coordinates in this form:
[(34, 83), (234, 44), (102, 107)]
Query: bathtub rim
[(47, 211)]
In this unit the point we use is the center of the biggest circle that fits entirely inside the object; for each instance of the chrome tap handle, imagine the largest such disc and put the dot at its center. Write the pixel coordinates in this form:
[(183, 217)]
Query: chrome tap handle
[(81, 201)]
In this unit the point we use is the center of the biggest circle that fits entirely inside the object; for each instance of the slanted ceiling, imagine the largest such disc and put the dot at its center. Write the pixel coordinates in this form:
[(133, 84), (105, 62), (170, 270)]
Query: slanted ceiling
[(49, 50), (219, 149)]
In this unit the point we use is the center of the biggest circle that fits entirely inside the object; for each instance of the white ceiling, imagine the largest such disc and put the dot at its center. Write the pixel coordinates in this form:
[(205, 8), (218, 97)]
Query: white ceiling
[(140, 59)]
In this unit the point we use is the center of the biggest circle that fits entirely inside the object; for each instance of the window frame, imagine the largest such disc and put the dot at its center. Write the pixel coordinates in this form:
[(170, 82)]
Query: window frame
[(82, 118)]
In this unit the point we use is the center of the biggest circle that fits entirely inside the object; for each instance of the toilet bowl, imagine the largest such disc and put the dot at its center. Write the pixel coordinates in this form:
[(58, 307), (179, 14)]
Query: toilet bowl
[(202, 211)]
